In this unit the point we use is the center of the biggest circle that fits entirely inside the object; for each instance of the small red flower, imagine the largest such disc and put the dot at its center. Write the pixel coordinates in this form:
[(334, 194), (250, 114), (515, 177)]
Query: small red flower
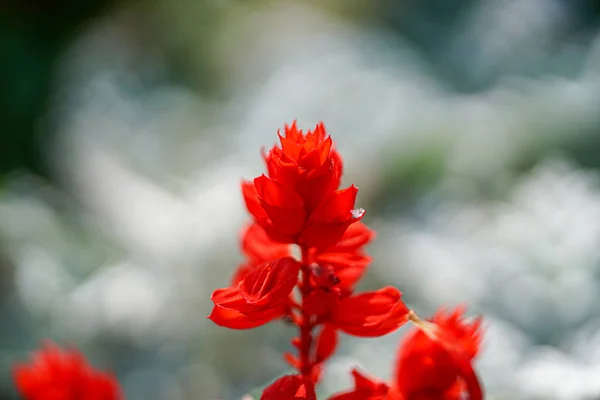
[(290, 387), (261, 296), (435, 365), (55, 374), (440, 365), (306, 163)]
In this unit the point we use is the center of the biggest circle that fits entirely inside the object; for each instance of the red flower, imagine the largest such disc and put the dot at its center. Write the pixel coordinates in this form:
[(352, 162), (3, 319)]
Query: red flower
[(55, 374), (441, 366), (306, 163), (299, 201), (261, 296), (434, 363), (290, 387)]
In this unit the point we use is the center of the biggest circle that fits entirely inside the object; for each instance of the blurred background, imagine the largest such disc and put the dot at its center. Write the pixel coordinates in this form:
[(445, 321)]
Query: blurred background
[(471, 127)]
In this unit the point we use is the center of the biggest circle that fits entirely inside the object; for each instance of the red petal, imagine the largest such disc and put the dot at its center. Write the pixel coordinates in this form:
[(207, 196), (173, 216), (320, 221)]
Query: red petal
[(284, 220), (277, 194), (270, 283), (241, 272), (290, 387), (324, 235), (259, 247), (316, 156), (337, 208), (282, 168), (289, 144), (371, 314), (318, 185), (252, 201), (356, 236), (365, 383), (231, 299), (232, 319), (282, 204), (338, 166), (326, 343), (365, 388)]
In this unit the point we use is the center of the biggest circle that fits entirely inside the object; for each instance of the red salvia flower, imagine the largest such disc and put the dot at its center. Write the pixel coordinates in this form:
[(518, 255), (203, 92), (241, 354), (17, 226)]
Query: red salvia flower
[(440, 367), (299, 202), (55, 374), (261, 296), (433, 363), (290, 387)]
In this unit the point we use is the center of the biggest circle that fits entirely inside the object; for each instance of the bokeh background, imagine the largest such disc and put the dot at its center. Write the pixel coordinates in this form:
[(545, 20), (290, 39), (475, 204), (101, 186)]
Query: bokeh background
[(471, 127)]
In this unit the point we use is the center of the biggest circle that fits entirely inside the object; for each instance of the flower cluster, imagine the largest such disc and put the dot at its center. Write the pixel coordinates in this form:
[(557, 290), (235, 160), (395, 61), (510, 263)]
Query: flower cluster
[(433, 363), (299, 205)]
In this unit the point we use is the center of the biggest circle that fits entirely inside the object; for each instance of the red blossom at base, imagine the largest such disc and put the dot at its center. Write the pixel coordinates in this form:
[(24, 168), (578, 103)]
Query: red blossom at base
[(55, 374)]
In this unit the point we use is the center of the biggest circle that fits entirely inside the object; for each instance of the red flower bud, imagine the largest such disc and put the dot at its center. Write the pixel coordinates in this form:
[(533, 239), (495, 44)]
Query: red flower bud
[(306, 163)]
